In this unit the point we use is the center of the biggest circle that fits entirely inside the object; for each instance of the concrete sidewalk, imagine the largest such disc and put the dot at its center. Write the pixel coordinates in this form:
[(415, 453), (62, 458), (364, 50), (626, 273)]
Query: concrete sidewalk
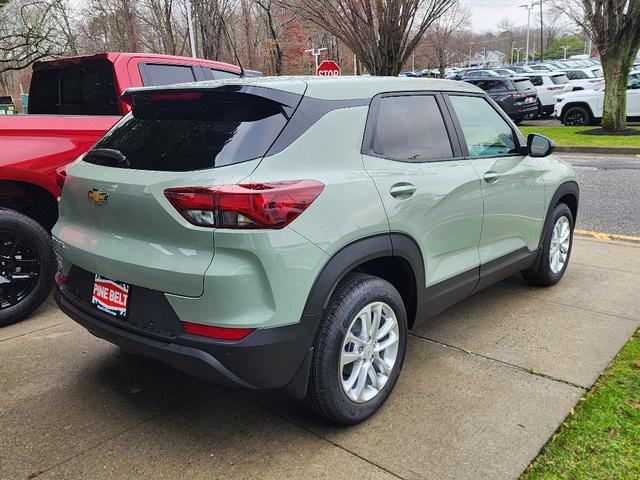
[(484, 386)]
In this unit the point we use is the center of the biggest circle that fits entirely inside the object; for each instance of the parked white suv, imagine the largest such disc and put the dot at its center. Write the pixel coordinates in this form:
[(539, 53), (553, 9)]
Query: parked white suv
[(549, 85), (585, 107), (584, 78)]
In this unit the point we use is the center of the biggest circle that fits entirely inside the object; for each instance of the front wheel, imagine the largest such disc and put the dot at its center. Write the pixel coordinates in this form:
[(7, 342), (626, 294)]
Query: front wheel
[(359, 351), (553, 257), (27, 266)]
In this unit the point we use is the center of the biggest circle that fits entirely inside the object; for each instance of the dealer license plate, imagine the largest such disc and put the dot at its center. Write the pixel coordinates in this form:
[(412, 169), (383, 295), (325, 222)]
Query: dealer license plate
[(110, 296)]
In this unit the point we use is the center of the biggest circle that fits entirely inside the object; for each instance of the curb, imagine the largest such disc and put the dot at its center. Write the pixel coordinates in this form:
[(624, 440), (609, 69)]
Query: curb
[(604, 150)]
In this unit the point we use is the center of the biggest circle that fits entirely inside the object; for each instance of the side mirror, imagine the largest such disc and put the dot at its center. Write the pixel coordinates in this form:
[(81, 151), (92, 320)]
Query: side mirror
[(539, 145)]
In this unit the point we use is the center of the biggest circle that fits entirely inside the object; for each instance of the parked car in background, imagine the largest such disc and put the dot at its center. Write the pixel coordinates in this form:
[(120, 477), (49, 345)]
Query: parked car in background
[(522, 69), (506, 72), (583, 78), (585, 107), (549, 85), (242, 273), (410, 73), (516, 95), (543, 67), (473, 72), (73, 102)]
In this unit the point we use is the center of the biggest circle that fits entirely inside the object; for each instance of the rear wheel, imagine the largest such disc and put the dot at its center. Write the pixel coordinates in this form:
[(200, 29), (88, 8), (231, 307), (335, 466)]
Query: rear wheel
[(554, 256), (577, 117), (27, 266), (359, 351)]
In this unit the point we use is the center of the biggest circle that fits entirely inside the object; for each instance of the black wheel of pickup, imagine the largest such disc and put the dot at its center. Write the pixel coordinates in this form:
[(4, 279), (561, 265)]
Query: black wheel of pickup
[(27, 266)]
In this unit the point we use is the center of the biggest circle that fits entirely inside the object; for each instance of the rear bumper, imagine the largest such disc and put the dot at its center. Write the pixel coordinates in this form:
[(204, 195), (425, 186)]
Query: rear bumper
[(267, 358), (522, 110)]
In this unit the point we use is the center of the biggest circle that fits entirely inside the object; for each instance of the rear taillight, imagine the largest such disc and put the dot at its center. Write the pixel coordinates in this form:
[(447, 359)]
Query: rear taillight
[(270, 205), (61, 176), (219, 333)]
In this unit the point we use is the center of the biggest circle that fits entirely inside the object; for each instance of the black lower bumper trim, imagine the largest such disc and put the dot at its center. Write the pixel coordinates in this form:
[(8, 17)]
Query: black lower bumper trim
[(268, 358)]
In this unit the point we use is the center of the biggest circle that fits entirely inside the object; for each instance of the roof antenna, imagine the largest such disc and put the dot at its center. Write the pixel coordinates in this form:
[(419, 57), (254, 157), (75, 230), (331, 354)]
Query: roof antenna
[(233, 46)]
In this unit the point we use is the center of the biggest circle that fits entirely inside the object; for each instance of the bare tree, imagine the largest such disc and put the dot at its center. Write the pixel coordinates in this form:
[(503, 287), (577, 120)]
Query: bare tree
[(275, 19), (160, 19), (210, 17), (113, 25), (614, 27), (457, 18), (28, 33), (382, 33)]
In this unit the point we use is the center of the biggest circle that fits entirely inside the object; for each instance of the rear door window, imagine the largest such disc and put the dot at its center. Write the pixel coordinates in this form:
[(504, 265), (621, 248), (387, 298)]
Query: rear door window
[(411, 129), (83, 89), (164, 74), (178, 132), (221, 74), (485, 132)]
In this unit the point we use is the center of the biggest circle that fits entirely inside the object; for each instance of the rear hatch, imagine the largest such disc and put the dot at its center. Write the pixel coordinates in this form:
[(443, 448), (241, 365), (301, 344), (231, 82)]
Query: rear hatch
[(115, 219)]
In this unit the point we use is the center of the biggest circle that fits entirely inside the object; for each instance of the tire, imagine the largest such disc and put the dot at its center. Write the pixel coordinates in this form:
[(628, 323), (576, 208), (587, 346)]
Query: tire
[(577, 117), (517, 121), (25, 251), (328, 395), (545, 272)]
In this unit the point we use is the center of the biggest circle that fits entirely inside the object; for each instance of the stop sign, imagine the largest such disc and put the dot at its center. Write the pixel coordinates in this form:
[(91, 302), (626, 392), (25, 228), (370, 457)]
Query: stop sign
[(328, 68)]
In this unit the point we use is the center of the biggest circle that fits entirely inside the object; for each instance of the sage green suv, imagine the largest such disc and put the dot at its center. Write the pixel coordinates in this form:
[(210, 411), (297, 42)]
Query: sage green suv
[(287, 232)]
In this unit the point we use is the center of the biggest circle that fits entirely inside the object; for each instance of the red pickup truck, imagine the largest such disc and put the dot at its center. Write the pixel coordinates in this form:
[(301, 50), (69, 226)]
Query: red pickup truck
[(72, 103)]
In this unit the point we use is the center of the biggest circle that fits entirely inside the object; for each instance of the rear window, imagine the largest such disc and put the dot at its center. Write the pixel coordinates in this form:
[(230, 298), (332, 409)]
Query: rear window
[(525, 84), (165, 74), (191, 131), (84, 89), (491, 86), (559, 79), (598, 72), (535, 80), (576, 75)]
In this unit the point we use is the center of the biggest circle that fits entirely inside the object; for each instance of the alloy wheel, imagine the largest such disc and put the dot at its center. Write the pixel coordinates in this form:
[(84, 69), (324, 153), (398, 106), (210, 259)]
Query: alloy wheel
[(560, 242), (369, 352), (575, 118), (19, 269)]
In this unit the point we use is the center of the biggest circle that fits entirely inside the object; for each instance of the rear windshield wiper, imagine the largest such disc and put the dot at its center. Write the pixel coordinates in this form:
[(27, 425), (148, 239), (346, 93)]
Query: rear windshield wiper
[(107, 157)]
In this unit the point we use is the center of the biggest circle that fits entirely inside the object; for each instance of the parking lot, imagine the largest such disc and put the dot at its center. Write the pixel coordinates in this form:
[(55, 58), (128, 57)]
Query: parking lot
[(484, 386)]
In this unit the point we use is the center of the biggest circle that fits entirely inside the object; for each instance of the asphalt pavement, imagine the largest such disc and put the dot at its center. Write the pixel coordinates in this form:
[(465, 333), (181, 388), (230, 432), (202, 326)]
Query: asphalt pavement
[(609, 193)]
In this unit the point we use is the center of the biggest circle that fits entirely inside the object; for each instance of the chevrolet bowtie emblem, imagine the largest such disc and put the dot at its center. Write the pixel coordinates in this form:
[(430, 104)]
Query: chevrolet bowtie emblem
[(97, 196)]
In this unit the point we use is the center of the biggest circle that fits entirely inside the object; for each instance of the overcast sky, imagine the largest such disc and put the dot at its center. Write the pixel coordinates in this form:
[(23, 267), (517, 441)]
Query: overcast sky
[(487, 14)]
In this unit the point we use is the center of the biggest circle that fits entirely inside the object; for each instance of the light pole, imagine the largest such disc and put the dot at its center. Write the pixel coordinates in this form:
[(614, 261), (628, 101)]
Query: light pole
[(565, 48), (192, 41), (529, 8), (512, 43), (470, 45), (316, 52)]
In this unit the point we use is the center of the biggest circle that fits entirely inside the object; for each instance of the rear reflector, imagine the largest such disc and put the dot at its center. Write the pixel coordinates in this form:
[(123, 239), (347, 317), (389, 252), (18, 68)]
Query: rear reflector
[(250, 206), (219, 333)]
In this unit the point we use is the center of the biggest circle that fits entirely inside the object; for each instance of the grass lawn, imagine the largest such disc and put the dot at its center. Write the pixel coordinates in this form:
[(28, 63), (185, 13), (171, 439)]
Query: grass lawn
[(601, 439), (568, 136)]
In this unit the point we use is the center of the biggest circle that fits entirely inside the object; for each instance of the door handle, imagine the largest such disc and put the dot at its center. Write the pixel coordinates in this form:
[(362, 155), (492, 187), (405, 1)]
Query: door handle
[(402, 190), (491, 176)]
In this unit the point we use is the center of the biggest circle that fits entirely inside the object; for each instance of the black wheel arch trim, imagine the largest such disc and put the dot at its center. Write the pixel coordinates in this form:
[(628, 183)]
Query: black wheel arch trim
[(357, 253), (567, 188), (569, 106)]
